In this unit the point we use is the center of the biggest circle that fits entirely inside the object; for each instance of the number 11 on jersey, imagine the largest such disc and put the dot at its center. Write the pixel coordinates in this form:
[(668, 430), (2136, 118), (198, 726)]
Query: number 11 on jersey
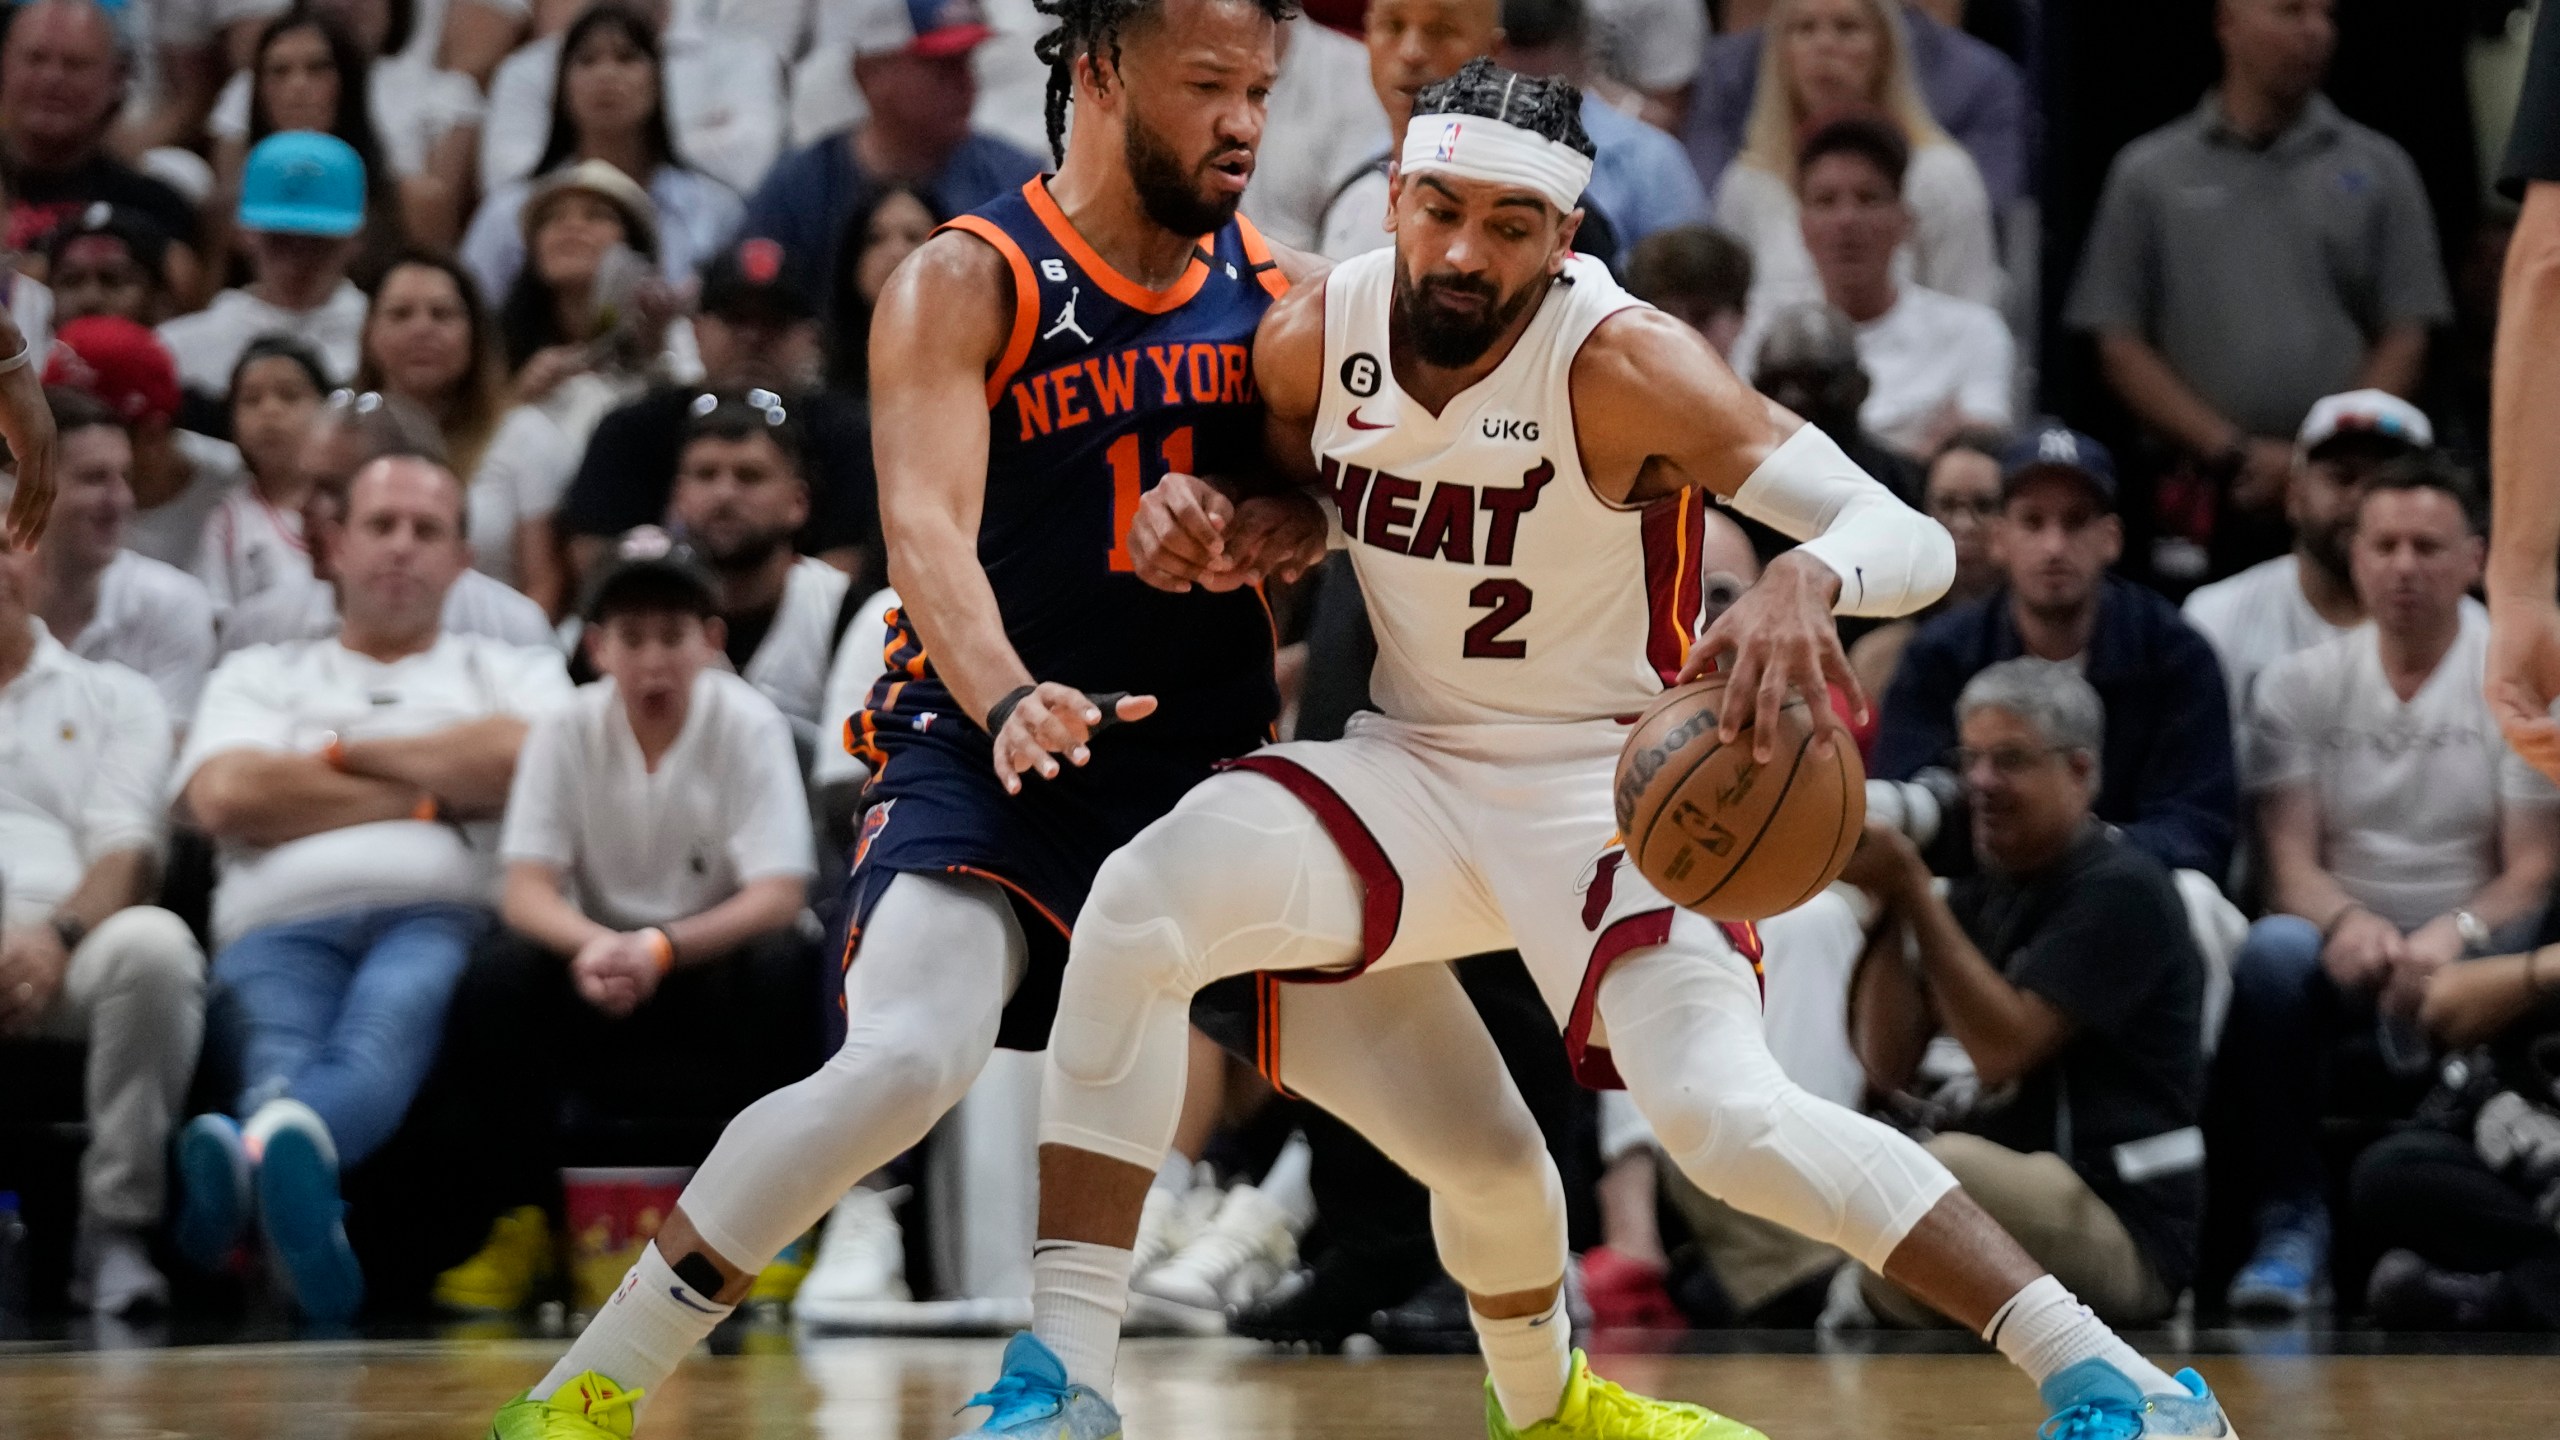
[(1128, 485)]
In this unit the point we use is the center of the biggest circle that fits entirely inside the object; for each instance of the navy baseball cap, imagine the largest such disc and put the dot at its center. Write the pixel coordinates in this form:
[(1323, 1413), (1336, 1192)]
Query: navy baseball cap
[(2057, 449), (301, 182)]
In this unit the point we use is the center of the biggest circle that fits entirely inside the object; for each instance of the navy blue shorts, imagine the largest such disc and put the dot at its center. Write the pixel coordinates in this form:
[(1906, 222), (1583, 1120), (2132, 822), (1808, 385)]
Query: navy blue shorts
[(937, 809)]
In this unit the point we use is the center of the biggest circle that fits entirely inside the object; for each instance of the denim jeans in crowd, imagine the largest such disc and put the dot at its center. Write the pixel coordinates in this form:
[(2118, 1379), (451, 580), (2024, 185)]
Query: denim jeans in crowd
[(344, 1012), (2274, 1058)]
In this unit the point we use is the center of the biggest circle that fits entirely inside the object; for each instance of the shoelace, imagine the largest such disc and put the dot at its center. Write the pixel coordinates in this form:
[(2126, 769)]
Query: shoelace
[(1621, 1414), (2093, 1421), (1014, 1396), (621, 1400)]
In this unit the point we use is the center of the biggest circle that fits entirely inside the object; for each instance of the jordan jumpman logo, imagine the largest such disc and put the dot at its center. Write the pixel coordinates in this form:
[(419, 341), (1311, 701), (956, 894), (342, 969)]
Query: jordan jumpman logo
[(1067, 319)]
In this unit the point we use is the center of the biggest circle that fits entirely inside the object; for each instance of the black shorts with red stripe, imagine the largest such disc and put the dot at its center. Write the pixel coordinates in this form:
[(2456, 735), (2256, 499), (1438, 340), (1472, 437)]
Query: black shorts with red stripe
[(936, 808)]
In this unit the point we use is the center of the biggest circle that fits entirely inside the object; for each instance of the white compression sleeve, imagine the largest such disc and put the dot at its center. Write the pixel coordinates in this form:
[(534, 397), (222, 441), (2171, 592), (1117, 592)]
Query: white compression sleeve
[(1891, 559)]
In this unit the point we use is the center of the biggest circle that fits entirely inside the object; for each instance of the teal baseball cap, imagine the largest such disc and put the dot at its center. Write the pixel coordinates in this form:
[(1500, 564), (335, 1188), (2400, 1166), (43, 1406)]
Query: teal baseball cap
[(301, 182)]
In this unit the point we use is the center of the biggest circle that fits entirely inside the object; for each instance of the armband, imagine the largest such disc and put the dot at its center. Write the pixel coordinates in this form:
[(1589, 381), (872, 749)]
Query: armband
[(1891, 559)]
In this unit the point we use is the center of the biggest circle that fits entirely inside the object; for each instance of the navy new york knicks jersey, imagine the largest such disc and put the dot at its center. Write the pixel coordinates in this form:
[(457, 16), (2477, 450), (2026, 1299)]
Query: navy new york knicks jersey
[(1105, 387)]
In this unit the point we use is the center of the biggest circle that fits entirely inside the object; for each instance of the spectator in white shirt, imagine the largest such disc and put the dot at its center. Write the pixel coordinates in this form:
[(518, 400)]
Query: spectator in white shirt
[(1325, 126), (178, 476), (2401, 836), (352, 785), (253, 539), (1835, 57), (195, 44), (1935, 364), (347, 435), (301, 206), (739, 500), (658, 859), (110, 604), (84, 749), (609, 103), (2293, 602), (726, 98)]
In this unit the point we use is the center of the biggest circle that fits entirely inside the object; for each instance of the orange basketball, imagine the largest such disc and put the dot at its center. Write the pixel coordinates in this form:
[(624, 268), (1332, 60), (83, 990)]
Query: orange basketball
[(1719, 832)]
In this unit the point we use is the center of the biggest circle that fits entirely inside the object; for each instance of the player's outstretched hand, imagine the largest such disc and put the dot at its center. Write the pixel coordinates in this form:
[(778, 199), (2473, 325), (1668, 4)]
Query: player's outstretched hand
[(1056, 720), (2524, 677), (1779, 637), (1179, 532), (1273, 537)]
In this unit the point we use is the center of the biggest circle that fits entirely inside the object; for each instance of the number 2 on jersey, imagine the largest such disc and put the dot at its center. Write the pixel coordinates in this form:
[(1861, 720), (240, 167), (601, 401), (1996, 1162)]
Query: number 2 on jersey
[(1509, 601), (1129, 486)]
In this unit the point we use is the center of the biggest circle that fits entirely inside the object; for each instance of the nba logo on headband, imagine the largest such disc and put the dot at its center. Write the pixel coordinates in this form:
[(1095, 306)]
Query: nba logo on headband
[(1449, 140)]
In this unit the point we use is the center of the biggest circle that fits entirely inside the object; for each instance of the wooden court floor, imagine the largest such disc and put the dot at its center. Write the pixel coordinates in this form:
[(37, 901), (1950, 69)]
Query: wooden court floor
[(906, 1389)]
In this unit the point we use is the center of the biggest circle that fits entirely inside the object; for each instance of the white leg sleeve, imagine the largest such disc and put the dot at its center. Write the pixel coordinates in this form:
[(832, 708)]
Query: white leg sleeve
[(938, 960), (1400, 1056), (1239, 877), (1684, 1028)]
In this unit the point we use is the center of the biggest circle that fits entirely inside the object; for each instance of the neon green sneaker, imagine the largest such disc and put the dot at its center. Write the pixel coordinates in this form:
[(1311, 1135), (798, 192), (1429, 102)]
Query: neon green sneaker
[(1595, 1409), (500, 1279), (587, 1408)]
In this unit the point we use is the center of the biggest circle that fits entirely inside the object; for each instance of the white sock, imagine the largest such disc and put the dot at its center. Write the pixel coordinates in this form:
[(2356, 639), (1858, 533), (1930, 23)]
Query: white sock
[(652, 1322), (2045, 1330), (1174, 1175), (1289, 1183), (1530, 1358), (1078, 1294)]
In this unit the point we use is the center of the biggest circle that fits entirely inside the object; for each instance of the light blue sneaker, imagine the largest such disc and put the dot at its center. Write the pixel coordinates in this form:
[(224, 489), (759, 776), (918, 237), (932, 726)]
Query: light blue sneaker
[(2284, 1275), (298, 1205), (213, 1190), (1032, 1400), (2094, 1400)]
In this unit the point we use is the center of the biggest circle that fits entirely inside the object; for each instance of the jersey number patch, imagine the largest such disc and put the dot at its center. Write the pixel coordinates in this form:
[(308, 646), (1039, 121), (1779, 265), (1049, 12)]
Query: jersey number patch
[(1509, 601), (1129, 486)]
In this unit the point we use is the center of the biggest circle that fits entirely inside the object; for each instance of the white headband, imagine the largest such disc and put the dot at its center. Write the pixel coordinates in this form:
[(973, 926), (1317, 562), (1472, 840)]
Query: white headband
[(1473, 147)]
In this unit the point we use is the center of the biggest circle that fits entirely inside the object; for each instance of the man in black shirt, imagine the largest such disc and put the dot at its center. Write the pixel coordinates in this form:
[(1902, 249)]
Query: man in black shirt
[(2066, 971), (757, 330), (61, 80)]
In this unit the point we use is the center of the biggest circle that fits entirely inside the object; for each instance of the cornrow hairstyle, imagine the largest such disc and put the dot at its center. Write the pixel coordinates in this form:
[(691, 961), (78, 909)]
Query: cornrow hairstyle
[(1094, 27), (1548, 106)]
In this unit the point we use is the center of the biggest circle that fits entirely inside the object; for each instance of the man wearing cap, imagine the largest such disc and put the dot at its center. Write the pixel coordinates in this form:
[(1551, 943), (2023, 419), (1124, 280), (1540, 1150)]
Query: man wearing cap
[(911, 63), (2165, 776), (658, 855), (62, 77), (301, 204), (178, 476), (96, 594), (2297, 600), (2401, 835), (757, 330), (107, 260)]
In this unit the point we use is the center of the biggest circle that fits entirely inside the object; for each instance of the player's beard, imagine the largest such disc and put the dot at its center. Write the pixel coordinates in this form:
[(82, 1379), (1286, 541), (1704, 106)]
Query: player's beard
[(1452, 340), (1168, 190), (742, 552)]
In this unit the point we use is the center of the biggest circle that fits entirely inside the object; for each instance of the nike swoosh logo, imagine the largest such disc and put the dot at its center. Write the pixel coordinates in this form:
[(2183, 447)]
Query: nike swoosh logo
[(1356, 423), (687, 1301), (1541, 1322)]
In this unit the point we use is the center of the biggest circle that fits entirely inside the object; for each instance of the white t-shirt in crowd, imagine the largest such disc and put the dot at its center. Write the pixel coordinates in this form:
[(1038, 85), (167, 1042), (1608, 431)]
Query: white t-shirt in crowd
[(307, 609), (1325, 124), (1928, 355), (861, 659), (157, 621), (641, 847), (725, 105), (185, 24), (1355, 223), (84, 749), (1653, 45), (172, 532), (291, 698), (2410, 794), (208, 342), (1950, 249), (2254, 619), (414, 106), (529, 463), (250, 547), (790, 667)]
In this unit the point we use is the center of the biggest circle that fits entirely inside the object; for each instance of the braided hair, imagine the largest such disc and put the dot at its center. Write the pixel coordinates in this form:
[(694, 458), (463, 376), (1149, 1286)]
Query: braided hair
[(1549, 106), (1094, 27)]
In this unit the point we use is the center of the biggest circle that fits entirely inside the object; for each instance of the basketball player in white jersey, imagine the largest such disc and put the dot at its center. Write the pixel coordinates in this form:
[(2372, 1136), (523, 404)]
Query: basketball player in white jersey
[(1513, 448)]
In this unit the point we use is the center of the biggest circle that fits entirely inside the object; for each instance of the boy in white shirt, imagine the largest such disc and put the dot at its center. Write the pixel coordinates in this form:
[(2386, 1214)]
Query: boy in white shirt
[(658, 858), (353, 785)]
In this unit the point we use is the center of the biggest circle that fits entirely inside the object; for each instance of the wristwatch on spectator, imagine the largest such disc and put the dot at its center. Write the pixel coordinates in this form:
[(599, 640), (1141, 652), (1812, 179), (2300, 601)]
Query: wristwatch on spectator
[(70, 929), (2475, 936)]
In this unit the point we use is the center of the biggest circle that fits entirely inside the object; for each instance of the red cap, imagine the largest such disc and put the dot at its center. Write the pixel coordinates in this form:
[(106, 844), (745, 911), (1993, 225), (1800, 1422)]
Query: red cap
[(121, 363)]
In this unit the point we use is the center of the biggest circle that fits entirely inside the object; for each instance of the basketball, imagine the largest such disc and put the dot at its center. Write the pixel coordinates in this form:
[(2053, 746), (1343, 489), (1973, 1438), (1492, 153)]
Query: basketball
[(1719, 832)]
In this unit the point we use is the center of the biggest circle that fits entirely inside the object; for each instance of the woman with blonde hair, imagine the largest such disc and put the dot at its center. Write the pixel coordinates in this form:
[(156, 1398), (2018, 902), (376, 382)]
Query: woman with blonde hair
[(1823, 59)]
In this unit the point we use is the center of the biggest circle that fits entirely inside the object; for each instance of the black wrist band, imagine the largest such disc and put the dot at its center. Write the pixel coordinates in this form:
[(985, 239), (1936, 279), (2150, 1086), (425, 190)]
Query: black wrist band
[(1002, 710)]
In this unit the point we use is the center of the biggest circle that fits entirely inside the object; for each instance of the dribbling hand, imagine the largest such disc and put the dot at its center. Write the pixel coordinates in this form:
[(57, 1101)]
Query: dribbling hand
[(1056, 721), (1781, 638)]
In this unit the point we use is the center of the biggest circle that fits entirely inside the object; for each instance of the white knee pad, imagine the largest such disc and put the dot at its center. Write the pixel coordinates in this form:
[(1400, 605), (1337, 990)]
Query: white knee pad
[(1505, 1232)]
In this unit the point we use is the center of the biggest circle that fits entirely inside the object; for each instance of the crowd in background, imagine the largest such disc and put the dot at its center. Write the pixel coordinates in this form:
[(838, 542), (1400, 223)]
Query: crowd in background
[(421, 729)]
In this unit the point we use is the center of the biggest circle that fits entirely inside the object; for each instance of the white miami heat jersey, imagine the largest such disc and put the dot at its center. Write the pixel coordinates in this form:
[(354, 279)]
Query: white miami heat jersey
[(1501, 587)]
